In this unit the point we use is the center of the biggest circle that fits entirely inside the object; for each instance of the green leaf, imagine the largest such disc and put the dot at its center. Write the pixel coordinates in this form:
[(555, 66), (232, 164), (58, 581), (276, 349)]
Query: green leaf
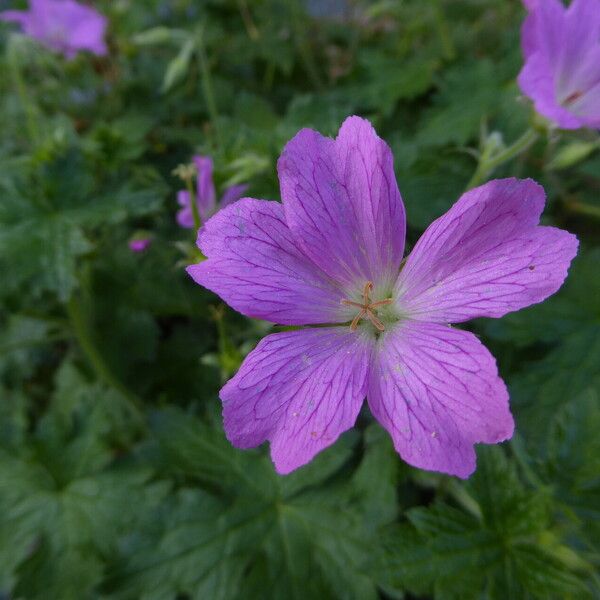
[(179, 66), (290, 536), (456, 554), (61, 507), (555, 381), (43, 232), (454, 120), (389, 79)]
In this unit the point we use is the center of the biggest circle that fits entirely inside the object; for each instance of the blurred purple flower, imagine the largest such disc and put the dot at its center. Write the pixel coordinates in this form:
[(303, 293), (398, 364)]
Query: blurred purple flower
[(562, 61), (331, 254), (139, 244), (62, 25), (205, 194)]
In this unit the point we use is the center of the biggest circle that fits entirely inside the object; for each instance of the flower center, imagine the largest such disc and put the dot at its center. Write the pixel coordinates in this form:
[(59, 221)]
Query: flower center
[(368, 308)]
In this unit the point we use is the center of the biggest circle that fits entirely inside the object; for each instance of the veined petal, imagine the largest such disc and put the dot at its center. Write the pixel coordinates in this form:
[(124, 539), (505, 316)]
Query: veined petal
[(342, 203), (437, 392), (255, 266), (485, 257), (300, 390)]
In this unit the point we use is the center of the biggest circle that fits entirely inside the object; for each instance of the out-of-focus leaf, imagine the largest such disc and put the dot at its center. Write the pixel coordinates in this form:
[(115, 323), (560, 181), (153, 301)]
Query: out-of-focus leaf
[(389, 79), (61, 508), (469, 92), (43, 232)]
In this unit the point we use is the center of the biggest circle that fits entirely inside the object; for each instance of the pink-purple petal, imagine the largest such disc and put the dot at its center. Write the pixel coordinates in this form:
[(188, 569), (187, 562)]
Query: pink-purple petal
[(185, 217), (63, 25), (256, 267), (232, 194), (15, 16), (300, 390), (205, 186), (485, 257), (562, 53), (342, 203), (437, 391)]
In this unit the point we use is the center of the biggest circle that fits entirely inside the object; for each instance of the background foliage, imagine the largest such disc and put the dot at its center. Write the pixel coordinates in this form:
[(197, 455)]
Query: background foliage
[(115, 478)]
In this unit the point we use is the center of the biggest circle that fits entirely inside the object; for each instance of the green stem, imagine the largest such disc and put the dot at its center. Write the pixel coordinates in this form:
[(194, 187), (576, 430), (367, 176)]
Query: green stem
[(207, 85), (85, 339), (487, 165)]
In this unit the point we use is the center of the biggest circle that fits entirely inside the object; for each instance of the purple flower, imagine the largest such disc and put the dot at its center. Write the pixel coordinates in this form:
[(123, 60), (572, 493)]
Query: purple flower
[(63, 25), (331, 254), (562, 61), (139, 244), (205, 194)]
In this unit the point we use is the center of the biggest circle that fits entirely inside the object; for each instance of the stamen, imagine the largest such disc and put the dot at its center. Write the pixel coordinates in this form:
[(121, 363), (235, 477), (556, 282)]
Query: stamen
[(381, 303), (350, 303), (367, 309), (572, 98), (378, 324), (357, 319)]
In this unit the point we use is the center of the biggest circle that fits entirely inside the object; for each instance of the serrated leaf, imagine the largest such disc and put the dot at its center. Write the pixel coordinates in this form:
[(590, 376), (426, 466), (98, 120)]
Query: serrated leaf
[(457, 554)]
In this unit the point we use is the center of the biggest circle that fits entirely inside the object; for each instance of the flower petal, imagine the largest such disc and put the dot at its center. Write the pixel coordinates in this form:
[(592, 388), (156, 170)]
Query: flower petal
[(233, 193), (205, 186), (536, 81), (298, 389), (255, 266), (342, 203), (437, 392), (578, 69), (185, 218), (15, 16), (485, 257)]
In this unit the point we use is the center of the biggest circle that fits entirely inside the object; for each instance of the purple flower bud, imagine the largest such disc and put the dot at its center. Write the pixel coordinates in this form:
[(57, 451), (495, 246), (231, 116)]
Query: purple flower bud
[(139, 244)]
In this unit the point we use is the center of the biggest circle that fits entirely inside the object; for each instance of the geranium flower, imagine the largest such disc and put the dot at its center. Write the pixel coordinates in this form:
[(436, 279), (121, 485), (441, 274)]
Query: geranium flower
[(205, 194), (62, 25), (331, 255), (562, 61)]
